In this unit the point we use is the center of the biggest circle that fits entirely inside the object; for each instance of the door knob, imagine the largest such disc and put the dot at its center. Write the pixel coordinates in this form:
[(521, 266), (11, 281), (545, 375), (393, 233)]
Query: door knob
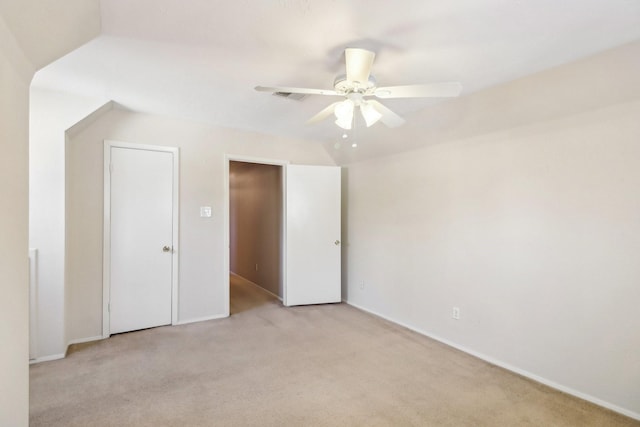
[(337, 242), (166, 248)]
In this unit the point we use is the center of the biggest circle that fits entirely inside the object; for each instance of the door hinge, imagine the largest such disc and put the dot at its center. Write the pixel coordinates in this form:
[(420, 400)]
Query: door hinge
[(110, 167), (109, 307)]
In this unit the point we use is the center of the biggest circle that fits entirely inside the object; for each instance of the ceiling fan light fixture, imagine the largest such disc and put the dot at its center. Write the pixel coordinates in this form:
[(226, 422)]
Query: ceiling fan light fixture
[(344, 114), (369, 113)]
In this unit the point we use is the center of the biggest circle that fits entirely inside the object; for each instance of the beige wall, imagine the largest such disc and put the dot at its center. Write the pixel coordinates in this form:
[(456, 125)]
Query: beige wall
[(14, 268), (23, 26), (80, 325), (532, 230), (255, 207), (203, 287)]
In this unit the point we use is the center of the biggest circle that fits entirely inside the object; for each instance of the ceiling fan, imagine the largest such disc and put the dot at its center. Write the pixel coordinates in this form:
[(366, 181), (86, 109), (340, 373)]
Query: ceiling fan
[(358, 86)]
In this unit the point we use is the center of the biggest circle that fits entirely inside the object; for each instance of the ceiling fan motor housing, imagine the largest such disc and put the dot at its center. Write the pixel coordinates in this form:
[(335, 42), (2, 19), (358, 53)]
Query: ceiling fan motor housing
[(345, 87)]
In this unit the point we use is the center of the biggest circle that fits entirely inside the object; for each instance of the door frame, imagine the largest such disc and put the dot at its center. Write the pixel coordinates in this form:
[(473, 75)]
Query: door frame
[(227, 214), (106, 247)]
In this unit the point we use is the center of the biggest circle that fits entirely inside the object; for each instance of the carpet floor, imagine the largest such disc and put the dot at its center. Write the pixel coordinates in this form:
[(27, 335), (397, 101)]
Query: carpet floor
[(267, 365)]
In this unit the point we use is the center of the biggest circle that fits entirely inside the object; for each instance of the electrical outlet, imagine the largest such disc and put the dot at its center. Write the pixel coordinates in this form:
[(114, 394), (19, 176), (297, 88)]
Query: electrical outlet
[(456, 313), (362, 285)]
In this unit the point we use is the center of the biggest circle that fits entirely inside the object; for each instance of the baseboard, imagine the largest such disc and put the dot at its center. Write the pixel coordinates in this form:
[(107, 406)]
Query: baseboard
[(46, 358), (201, 319), (507, 366), (83, 340), (258, 286)]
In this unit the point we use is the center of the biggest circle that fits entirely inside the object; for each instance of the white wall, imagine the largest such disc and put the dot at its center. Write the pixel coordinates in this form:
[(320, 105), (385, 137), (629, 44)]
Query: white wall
[(532, 230), (51, 114), (203, 287), (15, 75)]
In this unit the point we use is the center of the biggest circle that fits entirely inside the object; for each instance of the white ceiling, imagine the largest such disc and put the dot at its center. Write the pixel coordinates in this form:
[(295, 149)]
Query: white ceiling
[(200, 59)]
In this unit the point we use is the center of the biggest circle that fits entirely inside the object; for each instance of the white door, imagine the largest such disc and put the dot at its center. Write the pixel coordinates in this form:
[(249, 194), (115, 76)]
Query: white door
[(141, 186), (313, 235)]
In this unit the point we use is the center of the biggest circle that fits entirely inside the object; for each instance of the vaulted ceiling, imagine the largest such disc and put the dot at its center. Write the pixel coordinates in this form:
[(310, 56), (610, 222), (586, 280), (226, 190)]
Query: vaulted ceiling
[(200, 59)]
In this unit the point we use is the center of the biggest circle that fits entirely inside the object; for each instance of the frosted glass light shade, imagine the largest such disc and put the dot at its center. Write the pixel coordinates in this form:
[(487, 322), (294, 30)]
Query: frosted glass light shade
[(344, 114), (369, 113)]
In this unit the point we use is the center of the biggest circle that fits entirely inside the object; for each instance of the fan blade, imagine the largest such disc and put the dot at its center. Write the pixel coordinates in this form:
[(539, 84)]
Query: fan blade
[(359, 63), (323, 114), (389, 118), (296, 90), (435, 90)]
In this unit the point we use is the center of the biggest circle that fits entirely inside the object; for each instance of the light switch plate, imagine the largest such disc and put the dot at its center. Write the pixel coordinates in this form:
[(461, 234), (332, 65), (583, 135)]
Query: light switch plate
[(205, 211)]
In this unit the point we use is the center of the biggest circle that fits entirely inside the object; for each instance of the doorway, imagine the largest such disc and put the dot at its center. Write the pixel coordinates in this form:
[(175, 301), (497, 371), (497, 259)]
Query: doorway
[(255, 233), (140, 237), (310, 248)]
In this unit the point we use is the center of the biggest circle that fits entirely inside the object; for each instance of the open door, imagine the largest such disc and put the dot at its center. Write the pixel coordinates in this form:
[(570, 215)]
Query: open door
[(313, 252)]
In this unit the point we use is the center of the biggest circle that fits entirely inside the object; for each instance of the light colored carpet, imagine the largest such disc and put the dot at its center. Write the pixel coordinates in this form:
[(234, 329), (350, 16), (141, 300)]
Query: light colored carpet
[(266, 365)]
